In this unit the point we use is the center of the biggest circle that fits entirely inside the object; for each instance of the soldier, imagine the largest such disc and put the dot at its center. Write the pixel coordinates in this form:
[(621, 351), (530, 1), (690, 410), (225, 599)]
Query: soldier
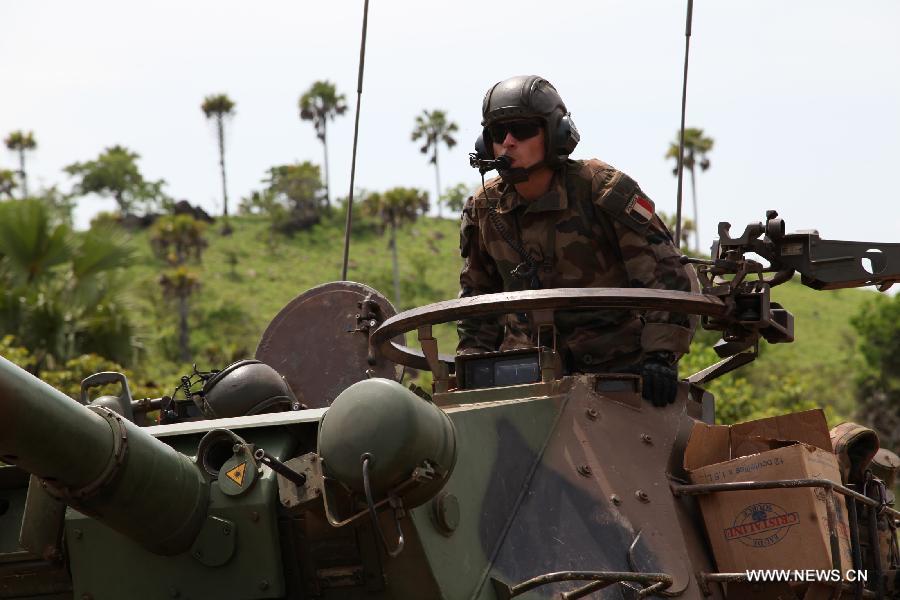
[(552, 222)]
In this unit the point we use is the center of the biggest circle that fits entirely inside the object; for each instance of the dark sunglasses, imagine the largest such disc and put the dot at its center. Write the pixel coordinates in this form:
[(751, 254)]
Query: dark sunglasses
[(521, 130)]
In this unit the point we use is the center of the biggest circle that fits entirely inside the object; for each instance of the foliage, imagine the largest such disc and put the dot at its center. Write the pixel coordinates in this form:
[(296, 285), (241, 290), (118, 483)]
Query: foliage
[(68, 377), (229, 322), (60, 205), (433, 128), (322, 103), (115, 173), (7, 183), (61, 293), (18, 141), (696, 147), (396, 206), (219, 107), (179, 283), (393, 208), (21, 142), (687, 227), (16, 354), (291, 200), (29, 243), (749, 393), (455, 197), (817, 369), (105, 218), (878, 382), (177, 238), (265, 202)]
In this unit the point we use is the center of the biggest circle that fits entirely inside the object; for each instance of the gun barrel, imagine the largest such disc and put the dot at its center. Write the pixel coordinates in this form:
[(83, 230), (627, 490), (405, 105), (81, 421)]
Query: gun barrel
[(101, 464)]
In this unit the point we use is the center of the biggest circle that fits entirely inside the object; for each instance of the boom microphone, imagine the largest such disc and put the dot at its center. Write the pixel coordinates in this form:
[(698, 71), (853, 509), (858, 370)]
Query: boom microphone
[(501, 163)]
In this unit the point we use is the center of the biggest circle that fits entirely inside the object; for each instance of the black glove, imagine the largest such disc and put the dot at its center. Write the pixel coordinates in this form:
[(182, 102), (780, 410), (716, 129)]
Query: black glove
[(660, 378)]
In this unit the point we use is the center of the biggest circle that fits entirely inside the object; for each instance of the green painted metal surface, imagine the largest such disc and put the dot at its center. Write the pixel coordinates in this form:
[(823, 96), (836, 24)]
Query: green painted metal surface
[(459, 560), (33, 413), (398, 429), (12, 505), (107, 565)]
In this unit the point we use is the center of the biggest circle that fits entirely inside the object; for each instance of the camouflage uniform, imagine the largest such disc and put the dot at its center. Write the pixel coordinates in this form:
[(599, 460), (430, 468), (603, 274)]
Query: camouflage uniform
[(584, 232)]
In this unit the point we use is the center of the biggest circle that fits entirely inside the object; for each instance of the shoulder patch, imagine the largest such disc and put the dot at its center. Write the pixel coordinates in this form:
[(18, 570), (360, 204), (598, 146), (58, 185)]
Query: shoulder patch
[(640, 208), (623, 200)]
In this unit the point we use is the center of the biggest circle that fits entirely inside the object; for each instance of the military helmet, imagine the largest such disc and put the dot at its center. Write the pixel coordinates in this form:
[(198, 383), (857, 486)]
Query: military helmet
[(245, 387), (530, 96)]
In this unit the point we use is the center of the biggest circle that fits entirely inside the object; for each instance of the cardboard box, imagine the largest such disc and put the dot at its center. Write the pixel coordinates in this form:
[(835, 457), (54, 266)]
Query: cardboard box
[(772, 528)]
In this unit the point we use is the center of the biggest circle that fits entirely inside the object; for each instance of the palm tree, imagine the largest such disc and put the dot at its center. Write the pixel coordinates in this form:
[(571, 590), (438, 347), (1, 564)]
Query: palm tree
[(434, 128), (696, 145), (180, 283), (318, 104), (176, 239), (19, 141), (219, 107), (393, 208), (687, 228)]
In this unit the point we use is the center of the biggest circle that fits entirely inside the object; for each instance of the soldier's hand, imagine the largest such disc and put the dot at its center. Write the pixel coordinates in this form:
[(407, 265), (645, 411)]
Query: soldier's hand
[(660, 379)]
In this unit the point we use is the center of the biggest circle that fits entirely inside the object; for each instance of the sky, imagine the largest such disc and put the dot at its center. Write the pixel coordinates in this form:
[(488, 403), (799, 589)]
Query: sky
[(802, 98)]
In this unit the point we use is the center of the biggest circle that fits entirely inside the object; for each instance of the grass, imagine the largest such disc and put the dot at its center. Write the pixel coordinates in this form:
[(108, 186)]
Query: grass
[(246, 280)]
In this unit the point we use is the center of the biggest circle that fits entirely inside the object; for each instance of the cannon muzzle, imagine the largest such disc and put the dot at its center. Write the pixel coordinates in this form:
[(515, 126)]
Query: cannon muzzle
[(101, 464)]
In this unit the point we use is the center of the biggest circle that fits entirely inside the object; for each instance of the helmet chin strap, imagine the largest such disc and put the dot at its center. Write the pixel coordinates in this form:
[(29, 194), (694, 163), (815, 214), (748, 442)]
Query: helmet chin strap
[(519, 174)]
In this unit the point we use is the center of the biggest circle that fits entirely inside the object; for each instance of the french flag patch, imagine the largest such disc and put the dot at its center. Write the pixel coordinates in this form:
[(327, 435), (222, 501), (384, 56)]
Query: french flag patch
[(641, 208)]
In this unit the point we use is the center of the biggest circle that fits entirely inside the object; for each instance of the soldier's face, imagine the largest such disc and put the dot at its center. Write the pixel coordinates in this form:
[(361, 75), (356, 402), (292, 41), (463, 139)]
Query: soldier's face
[(523, 153)]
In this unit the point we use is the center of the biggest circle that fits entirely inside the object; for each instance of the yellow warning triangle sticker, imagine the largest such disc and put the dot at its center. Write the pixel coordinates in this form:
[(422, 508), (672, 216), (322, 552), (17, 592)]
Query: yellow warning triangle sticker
[(237, 474)]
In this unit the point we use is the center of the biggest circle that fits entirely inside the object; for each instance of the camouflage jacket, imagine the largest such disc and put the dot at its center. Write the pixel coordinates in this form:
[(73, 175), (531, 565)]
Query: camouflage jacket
[(594, 228)]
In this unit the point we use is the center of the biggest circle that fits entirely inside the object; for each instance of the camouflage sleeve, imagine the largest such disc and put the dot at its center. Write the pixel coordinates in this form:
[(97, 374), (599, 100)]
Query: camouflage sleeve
[(478, 276), (651, 260)]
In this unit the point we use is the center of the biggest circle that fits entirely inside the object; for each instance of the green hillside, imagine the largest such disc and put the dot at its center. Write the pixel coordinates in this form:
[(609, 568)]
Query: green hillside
[(246, 279)]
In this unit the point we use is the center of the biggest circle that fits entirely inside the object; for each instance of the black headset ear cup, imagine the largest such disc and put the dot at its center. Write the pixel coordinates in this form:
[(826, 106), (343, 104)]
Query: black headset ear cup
[(483, 147), (567, 136), (562, 137)]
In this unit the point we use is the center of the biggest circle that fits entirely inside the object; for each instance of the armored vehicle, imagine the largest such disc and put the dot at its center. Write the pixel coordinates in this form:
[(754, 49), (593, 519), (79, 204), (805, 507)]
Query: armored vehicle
[(325, 478)]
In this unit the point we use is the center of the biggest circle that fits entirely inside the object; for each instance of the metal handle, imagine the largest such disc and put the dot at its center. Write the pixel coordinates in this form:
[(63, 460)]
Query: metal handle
[(103, 378), (396, 505)]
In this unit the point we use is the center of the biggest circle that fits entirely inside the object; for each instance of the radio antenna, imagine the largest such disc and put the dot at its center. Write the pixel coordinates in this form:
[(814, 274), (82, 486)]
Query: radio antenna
[(687, 49), (359, 86)]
